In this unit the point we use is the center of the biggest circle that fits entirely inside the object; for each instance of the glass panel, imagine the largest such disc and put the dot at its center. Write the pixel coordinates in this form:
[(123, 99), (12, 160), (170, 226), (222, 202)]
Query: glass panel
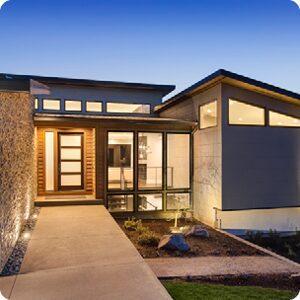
[(120, 203), (72, 105), (150, 160), (71, 167), (70, 180), (36, 103), (150, 202), (93, 106), (277, 119), (245, 114), (70, 154), (70, 140), (128, 108), (208, 115), (178, 201), (49, 149), (178, 172), (120, 160), (49, 104)]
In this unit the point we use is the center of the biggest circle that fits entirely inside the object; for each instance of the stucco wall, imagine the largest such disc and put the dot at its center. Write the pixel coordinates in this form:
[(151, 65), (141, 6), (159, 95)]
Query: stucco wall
[(261, 165), (17, 169)]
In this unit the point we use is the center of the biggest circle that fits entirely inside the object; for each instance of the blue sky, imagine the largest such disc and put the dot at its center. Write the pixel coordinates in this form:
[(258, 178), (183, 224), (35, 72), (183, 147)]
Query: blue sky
[(154, 41)]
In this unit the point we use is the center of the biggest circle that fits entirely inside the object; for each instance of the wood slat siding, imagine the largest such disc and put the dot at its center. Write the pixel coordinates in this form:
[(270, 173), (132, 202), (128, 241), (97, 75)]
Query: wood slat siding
[(89, 161)]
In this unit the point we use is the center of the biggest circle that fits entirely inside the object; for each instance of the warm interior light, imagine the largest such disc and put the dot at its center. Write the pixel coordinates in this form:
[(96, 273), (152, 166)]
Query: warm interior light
[(240, 119), (26, 235), (209, 111), (296, 121)]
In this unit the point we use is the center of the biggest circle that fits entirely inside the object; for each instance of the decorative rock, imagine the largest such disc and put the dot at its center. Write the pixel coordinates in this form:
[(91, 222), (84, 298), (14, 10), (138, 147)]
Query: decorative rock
[(173, 242), (195, 230)]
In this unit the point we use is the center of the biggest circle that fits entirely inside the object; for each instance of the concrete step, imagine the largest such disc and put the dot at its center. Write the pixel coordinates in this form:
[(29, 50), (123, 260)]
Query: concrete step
[(66, 202)]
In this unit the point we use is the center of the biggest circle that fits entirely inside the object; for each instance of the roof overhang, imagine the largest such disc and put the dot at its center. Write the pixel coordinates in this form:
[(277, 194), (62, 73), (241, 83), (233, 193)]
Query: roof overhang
[(233, 79)]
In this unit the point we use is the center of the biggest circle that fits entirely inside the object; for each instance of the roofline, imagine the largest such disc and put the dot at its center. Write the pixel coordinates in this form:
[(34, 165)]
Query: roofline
[(166, 89), (218, 77)]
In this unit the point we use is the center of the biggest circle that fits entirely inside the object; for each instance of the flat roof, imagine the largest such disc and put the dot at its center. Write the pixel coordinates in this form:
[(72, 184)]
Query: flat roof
[(5, 77), (232, 79)]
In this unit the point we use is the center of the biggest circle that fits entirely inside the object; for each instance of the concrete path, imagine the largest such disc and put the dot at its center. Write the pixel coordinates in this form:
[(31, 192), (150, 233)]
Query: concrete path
[(79, 252), (212, 265)]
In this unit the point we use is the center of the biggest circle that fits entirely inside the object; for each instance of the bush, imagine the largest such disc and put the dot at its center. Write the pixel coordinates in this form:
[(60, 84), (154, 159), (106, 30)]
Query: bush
[(141, 229), (132, 224), (148, 238)]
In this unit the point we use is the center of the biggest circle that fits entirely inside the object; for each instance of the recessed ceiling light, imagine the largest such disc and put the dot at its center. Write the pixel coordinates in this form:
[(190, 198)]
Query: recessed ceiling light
[(240, 119), (296, 121), (209, 111)]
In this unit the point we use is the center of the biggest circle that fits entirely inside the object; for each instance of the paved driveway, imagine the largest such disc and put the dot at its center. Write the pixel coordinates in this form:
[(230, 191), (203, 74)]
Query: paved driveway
[(79, 252)]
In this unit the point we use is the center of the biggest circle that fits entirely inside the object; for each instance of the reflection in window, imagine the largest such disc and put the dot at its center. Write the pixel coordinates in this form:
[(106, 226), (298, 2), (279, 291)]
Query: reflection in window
[(245, 114), (128, 108), (119, 203), (51, 104), (150, 202), (93, 106), (120, 160), (208, 115), (178, 171), (72, 105), (178, 201), (150, 160), (277, 119)]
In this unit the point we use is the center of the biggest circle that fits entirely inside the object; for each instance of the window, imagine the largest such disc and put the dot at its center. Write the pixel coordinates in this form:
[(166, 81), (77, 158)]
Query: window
[(245, 114), (120, 160), (150, 160), (128, 108), (178, 153), (36, 103), (72, 105), (49, 160), (51, 104), (93, 106), (150, 202), (208, 115), (176, 201), (120, 203), (278, 119)]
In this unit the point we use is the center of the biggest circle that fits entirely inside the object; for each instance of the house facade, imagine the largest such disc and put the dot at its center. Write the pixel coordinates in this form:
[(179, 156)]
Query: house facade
[(226, 149)]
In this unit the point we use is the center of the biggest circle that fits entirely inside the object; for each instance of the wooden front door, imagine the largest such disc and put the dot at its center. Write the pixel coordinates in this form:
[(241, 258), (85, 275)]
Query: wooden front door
[(70, 161)]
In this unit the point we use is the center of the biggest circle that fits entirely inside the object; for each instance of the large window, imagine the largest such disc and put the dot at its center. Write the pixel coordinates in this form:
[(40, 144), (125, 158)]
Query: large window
[(51, 104), (93, 106), (73, 105), (150, 160), (127, 108), (178, 168), (281, 120), (120, 160), (150, 202), (208, 115), (245, 114), (176, 201)]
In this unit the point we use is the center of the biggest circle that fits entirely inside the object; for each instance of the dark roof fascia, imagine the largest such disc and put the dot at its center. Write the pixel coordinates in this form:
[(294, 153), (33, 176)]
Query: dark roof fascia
[(166, 89), (224, 74)]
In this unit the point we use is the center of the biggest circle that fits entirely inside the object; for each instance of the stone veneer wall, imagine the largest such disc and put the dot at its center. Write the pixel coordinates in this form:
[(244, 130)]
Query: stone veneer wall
[(17, 167)]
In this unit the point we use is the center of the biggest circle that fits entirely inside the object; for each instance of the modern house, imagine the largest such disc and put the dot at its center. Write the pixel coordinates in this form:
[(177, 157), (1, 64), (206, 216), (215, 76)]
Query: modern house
[(226, 148)]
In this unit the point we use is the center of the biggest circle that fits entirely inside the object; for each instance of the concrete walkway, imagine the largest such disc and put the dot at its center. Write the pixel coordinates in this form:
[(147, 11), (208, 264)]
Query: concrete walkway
[(79, 252), (213, 266)]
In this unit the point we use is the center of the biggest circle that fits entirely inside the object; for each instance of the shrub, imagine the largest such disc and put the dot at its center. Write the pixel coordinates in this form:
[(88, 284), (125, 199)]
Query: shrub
[(141, 229), (132, 224), (148, 238)]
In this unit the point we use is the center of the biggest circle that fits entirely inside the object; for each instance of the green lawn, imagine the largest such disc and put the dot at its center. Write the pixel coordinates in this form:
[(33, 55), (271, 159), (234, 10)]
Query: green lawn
[(199, 291)]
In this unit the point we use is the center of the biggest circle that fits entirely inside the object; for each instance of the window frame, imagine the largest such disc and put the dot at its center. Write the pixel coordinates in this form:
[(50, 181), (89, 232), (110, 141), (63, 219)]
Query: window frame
[(73, 100), (93, 101), (199, 114), (251, 104), (127, 113), (284, 114), (52, 99)]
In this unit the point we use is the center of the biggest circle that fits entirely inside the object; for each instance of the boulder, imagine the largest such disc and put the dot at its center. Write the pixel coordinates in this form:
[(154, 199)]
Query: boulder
[(173, 242), (195, 230)]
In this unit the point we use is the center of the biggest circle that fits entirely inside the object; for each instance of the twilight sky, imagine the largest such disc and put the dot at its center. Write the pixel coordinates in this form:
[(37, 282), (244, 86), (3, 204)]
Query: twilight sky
[(153, 41)]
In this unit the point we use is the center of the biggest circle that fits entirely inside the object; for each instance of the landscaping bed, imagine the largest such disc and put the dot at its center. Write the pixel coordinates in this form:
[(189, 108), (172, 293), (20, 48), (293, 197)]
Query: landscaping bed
[(217, 244)]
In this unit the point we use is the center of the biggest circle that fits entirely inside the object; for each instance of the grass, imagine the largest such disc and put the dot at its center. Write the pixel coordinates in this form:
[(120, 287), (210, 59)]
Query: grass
[(199, 291)]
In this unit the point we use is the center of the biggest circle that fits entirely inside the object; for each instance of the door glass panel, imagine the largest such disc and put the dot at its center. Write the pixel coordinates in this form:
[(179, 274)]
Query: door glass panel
[(71, 167), (70, 140), (71, 180), (49, 151), (71, 154)]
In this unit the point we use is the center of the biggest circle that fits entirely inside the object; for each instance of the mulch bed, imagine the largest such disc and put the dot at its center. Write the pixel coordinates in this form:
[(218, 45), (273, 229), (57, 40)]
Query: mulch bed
[(216, 245)]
